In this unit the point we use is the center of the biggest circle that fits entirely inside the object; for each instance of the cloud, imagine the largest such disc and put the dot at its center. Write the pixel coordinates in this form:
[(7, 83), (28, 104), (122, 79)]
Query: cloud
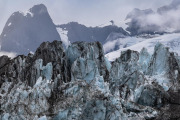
[(165, 19), (9, 54), (109, 46), (88, 12)]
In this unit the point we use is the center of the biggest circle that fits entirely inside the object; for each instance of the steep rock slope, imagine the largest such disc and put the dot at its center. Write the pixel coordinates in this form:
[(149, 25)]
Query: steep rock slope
[(24, 32), (80, 83)]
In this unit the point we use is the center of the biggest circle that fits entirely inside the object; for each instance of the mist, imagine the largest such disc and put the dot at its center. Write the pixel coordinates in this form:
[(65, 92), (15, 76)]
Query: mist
[(165, 19)]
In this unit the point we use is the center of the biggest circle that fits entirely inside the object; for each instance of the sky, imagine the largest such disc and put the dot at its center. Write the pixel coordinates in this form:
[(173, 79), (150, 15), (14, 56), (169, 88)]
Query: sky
[(88, 12)]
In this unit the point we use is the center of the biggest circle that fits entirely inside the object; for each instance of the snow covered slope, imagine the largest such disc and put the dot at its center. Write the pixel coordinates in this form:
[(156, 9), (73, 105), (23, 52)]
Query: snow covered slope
[(170, 40)]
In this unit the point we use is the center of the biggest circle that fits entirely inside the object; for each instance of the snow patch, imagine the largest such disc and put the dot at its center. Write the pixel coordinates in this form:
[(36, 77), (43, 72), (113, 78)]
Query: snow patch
[(64, 38), (38, 82), (9, 24), (31, 52), (42, 118), (105, 24), (28, 13)]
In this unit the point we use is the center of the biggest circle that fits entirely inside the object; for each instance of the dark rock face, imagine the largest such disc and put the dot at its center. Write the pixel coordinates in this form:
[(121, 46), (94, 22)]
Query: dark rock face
[(78, 32), (35, 27), (52, 53), (13, 70), (30, 68), (4, 60), (79, 83)]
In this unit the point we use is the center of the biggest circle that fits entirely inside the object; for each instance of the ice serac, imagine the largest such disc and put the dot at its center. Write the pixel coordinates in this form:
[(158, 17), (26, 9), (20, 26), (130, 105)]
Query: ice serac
[(124, 68), (164, 66), (144, 60), (88, 51), (127, 75), (80, 83), (20, 32)]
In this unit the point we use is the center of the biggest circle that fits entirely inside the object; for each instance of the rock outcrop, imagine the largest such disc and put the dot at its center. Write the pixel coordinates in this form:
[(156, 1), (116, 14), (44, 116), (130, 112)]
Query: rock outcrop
[(80, 83)]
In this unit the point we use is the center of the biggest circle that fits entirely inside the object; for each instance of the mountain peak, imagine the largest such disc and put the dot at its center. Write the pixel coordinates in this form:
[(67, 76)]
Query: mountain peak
[(38, 9), (29, 23)]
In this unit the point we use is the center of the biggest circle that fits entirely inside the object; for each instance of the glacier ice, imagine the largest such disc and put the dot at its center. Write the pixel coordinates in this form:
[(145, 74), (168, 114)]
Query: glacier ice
[(80, 83)]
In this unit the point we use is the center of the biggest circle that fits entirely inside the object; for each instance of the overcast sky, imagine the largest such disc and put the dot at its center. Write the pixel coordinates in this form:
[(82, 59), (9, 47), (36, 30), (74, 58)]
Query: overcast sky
[(88, 12)]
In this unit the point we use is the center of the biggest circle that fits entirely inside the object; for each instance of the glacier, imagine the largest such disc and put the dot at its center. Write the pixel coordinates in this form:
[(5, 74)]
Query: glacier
[(137, 43), (80, 83)]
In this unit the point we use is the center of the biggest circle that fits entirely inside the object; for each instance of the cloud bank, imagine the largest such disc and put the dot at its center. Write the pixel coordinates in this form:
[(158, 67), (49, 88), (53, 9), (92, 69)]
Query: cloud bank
[(9, 54), (165, 19)]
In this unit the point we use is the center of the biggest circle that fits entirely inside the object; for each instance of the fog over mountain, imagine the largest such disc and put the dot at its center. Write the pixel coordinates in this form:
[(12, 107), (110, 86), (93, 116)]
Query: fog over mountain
[(89, 13), (165, 19)]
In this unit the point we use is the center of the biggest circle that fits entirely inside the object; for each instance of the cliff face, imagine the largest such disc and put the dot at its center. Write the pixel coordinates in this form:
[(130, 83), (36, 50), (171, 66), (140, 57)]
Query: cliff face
[(80, 83), (24, 32)]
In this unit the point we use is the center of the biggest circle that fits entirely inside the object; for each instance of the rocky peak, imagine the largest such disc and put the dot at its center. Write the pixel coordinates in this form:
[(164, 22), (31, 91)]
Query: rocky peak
[(129, 55), (4, 60), (50, 52), (36, 20), (38, 9)]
